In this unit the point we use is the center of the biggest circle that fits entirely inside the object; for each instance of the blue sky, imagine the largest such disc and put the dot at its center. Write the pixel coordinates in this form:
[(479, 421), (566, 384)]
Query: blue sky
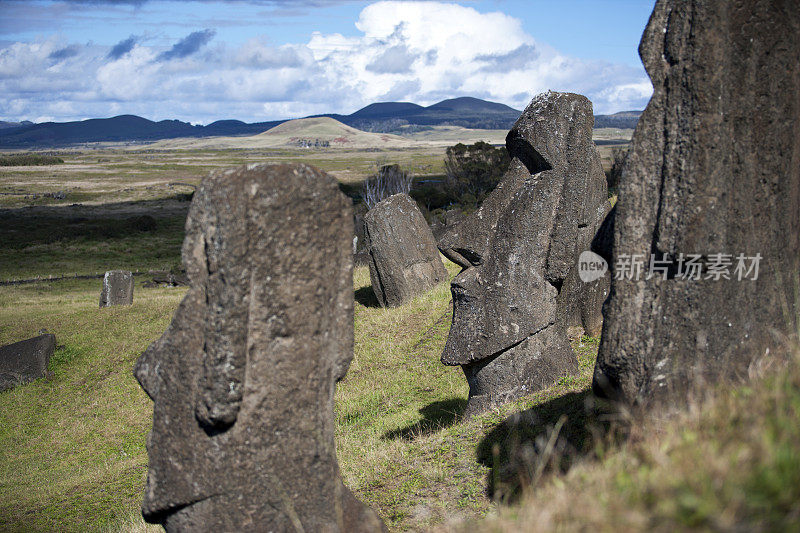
[(259, 60)]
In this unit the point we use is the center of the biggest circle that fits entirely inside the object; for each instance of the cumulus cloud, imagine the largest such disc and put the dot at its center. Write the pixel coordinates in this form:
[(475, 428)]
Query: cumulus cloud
[(188, 45), (422, 52), (258, 55), (394, 60), (65, 53), (516, 59), (122, 47)]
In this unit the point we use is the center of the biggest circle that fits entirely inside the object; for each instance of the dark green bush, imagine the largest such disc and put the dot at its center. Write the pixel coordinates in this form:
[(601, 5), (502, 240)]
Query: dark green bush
[(431, 196), (29, 159), (474, 171)]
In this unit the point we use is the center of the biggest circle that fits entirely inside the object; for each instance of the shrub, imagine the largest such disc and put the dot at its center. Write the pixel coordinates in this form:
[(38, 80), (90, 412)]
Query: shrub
[(389, 180), (29, 159), (474, 171), (431, 196)]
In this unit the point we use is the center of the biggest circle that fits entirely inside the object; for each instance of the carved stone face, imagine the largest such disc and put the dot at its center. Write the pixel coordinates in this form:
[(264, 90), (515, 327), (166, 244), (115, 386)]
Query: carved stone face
[(713, 169), (243, 379), (517, 251)]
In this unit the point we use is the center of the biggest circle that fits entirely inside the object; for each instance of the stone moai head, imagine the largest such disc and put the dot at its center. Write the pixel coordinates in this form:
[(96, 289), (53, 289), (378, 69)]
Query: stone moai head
[(403, 259), (518, 249), (244, 377), (117, 288), (710, 191)]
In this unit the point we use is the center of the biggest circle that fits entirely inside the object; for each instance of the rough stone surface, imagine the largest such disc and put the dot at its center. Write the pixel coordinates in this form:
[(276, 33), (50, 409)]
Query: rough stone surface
[(117, 288), (403, 259), (243, 379), (518, 249), (714, 167), (360, 252), (25, 361), (580, 302)]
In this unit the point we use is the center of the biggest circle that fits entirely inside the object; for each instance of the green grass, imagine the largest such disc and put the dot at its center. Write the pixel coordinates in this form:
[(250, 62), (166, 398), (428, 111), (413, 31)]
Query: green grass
[(72, 455), (56, 243), (72, 447), (729, 463)]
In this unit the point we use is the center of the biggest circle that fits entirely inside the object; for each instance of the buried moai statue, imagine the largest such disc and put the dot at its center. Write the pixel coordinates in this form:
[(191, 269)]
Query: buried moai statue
[(243, 379), (117, 288), (403, 259), (25, 361), (514, 300), (710, 196)]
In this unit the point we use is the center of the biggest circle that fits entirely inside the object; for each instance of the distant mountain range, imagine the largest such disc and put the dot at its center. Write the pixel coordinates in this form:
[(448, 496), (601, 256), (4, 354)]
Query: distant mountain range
[(4, 124), (384, 117), (465, 111), (622, 120)]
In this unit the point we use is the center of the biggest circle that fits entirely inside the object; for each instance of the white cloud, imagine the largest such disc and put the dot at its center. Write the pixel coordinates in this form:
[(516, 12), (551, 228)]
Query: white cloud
[(413, 51)]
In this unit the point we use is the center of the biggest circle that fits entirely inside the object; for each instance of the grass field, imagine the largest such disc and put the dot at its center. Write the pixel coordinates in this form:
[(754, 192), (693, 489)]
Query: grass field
[(72, 454), (96, 177), (72, 446)]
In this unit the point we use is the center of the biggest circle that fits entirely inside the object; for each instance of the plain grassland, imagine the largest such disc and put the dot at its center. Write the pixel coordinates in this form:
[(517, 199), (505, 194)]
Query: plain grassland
[(111, 176), (115, 174), (71, 218)]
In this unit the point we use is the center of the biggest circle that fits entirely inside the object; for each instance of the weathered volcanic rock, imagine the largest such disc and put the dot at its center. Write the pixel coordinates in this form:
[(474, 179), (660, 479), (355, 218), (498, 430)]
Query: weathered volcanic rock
[(580, 302), (25, 361), (518, 249), (244, 377), (117, 288), (403, 258), (714, 168)]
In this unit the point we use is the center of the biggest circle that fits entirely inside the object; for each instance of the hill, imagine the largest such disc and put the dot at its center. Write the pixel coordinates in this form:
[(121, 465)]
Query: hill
[(316, 132), (386, 110), (122, 128), (622, 120), (8, 125), (380, 117), (467, 112)]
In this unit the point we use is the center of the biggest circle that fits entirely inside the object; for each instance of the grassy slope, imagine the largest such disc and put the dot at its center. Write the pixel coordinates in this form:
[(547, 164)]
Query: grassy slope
[(730, 463), (72, 453)]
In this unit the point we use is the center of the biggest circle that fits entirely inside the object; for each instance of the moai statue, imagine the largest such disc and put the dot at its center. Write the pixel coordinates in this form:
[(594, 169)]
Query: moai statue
[(243, 379), (117, 288), (25, 361), (707, 230), (403, 259), (509, 330)]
